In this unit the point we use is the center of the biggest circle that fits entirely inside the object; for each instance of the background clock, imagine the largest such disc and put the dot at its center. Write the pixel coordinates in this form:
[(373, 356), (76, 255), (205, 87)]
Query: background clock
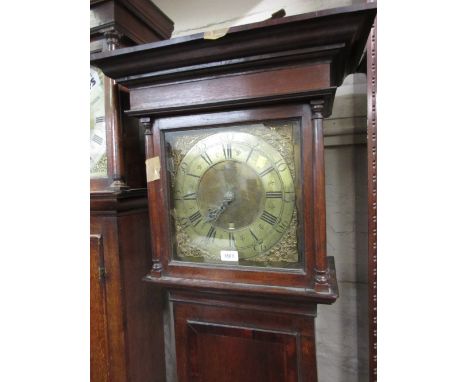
[(234, 193), (125, 316), (98, 157)]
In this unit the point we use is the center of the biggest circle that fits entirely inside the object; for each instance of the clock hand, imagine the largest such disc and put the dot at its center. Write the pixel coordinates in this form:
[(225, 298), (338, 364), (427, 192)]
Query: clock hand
[(213, 213)]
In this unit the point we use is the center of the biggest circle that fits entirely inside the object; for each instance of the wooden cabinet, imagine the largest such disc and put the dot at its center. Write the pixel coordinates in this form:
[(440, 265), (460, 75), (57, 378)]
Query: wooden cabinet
[(126, 314), (236, 186)]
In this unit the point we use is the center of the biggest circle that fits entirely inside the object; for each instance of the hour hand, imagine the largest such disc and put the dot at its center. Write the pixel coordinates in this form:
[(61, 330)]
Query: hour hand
[(213, 213)]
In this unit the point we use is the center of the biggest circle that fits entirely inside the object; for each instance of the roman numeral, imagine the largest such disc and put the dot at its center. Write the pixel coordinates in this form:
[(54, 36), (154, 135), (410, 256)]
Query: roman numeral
[(211, 234), (195, 218), (266, 171), (232, 242), (269, 218), (274, 194), (97, 99), (248, 156), (255, 237), (97, 139), (99, 119), (227, 150), (207, 159), (191, 196)]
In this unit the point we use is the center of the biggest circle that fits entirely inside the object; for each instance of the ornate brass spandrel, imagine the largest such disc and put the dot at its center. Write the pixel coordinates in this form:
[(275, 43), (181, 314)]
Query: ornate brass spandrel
[(285, 251), (100, 169)]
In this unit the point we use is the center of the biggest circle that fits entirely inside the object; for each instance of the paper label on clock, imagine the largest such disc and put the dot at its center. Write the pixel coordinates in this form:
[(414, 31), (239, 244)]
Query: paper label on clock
[(229, 256), (215, 34), (153, 168)]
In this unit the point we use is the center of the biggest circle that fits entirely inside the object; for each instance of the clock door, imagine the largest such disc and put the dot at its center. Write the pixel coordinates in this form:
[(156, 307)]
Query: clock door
[(221, 338), (98, 315), (234, 195)]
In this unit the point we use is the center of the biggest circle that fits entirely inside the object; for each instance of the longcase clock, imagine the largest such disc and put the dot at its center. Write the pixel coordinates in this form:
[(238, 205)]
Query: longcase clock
[(125, 316), (236, 192)]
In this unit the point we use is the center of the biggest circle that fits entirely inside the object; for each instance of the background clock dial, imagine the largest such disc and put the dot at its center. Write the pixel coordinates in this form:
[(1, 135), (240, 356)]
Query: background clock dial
[(98, 158)]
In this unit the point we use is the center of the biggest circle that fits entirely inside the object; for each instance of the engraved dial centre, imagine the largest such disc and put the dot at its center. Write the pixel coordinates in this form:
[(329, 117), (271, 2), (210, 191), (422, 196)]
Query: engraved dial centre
[(230, 195)]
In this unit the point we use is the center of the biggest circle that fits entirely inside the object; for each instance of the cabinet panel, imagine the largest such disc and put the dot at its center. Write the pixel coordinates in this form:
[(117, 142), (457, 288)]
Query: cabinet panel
[(133, 309), (98, 314), (243, 339), (106, 228), (240, 354)]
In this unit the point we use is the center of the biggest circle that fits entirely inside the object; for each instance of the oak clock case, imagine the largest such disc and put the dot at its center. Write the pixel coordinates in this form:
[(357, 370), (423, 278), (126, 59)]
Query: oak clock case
[(233, 194)]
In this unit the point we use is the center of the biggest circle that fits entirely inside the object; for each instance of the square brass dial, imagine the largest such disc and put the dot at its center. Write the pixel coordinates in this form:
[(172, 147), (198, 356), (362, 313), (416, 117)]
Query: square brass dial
[(234, 194)]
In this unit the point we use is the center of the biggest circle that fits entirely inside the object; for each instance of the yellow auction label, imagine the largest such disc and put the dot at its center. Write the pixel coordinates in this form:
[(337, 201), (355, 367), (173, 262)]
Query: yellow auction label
[(153, 168), (215, 34)]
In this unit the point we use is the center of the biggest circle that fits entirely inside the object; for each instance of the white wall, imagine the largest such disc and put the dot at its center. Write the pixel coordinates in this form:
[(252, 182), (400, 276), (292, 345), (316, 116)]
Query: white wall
[(202, 15)]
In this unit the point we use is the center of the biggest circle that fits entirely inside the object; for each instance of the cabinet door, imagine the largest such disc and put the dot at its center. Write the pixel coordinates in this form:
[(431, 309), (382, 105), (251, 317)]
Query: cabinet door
[(98, 315), (243, 339)]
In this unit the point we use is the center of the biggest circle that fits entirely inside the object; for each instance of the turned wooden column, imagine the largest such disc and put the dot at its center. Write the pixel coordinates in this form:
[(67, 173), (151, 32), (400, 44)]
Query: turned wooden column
[(113, 119), (153, 185), (321, 274)]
